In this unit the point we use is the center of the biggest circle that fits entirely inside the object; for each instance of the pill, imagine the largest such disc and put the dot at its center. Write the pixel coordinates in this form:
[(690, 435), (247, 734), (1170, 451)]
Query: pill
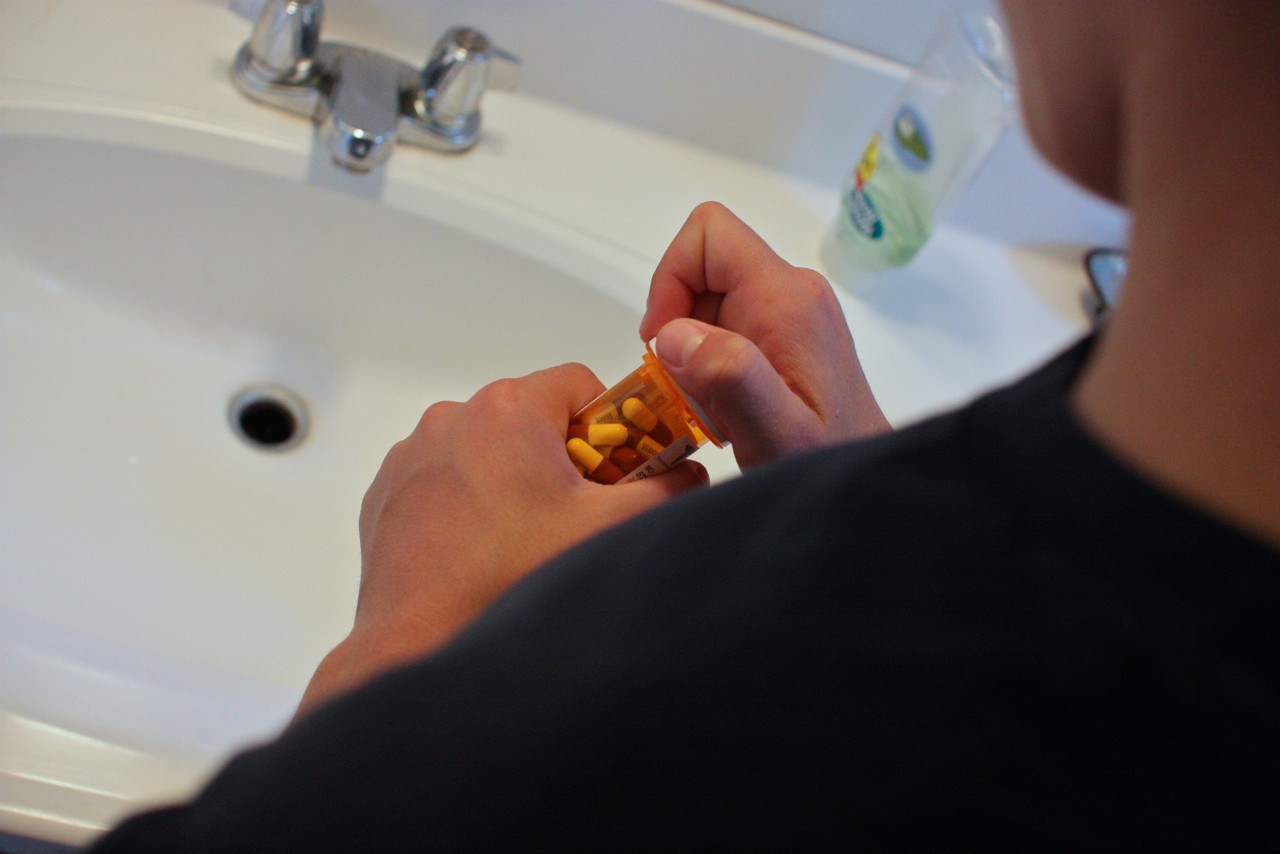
[(600, 435), (646, 447), (626, 459), (597, 467), (634, 410), (598, 412)]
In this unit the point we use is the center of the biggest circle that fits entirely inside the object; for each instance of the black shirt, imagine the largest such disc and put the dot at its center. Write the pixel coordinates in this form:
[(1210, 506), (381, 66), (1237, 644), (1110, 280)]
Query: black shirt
[(979, 632)]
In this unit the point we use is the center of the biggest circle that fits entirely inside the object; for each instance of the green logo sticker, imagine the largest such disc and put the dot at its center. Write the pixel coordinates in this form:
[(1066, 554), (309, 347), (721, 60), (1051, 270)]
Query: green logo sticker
[(912, 141)]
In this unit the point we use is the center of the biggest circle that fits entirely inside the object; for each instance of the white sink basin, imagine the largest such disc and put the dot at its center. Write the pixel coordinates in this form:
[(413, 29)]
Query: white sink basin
[(178, 582)]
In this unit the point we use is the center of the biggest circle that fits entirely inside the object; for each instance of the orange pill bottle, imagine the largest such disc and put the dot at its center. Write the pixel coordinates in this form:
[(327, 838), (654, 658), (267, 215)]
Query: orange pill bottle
[(662, 427)]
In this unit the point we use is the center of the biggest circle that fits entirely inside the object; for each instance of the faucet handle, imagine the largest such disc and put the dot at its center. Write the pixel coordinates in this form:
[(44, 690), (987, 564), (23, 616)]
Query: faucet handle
[(462, 65), (284, 40), (504, 69)]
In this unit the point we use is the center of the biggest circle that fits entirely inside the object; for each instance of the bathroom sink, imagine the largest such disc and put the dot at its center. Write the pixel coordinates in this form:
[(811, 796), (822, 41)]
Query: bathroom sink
[(209, 336), (169, 583)]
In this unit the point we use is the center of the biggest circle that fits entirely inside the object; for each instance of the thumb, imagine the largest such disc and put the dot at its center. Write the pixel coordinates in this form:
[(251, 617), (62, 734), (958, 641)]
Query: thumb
[(623, 500), (737, 386)]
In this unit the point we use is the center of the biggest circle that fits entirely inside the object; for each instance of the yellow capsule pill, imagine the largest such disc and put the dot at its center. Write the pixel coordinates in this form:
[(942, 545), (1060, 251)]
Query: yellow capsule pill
[(597, 467), (646, 447), (583, 454), (607, 435), (600, 435), (634, 410)]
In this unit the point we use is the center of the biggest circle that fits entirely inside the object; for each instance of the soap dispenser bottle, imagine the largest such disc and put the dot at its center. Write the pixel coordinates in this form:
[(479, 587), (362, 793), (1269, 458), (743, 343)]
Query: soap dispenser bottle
[(942, 125)]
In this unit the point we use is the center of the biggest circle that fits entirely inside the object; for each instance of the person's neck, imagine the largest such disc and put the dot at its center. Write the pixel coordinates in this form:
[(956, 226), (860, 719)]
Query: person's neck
[(1185, 382)]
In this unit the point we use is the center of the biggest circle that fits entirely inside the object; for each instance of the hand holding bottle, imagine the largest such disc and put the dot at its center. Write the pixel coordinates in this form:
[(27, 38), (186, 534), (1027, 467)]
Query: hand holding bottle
[(761, 345), (475, 498)]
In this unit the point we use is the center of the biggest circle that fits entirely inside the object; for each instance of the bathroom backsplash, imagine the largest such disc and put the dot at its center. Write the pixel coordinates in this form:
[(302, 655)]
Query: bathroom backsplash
[(677, 71), (898, 29), (801, 99)]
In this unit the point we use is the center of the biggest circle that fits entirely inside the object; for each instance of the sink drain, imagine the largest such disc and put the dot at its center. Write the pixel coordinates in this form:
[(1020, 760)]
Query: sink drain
[(268, 417)]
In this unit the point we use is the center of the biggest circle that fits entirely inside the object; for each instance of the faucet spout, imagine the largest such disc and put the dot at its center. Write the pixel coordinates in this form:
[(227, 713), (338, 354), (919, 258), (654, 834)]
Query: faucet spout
[(363, 100), (358, 118)]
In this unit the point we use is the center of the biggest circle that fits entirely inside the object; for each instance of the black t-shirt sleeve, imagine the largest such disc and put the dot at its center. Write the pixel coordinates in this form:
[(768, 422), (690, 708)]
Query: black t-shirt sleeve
[(904, 643)]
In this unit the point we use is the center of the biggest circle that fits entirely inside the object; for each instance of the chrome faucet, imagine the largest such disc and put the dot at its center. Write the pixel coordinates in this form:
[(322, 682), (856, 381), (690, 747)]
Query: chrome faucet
[(363, 100)]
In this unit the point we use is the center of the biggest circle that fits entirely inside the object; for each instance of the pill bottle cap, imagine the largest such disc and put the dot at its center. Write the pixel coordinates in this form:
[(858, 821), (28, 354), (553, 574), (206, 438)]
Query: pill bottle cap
[(692, 412)]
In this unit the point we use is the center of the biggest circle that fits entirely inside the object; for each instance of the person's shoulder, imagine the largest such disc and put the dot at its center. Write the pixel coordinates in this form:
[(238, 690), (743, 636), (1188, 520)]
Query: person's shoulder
[(919, 495), (973, 483), (962, 495), (866, 522)]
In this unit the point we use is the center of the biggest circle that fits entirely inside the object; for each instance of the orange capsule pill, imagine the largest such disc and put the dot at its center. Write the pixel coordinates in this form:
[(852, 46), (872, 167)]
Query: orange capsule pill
[(635, 435), (597, 467), (646, 447), (626, 459), (635, 411)]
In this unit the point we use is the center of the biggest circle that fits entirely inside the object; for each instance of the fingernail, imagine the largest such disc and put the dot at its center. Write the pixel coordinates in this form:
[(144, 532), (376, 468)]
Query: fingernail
[(678, 340)]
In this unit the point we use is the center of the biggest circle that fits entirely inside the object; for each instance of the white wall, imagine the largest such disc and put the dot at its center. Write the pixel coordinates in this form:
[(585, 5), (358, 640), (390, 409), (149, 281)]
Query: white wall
[(681, 72), (898, 29)]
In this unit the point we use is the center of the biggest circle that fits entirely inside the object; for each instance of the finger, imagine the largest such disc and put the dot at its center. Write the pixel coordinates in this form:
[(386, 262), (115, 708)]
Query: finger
[(651, 491), (533, 413), (550, 395), (738, 387), (713, 254)]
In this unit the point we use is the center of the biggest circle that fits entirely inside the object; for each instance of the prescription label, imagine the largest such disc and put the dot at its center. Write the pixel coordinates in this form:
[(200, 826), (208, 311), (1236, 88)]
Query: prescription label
[(664, 461)]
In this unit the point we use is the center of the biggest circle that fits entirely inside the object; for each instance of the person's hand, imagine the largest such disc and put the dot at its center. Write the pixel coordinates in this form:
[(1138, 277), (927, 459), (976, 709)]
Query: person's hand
[(478, 496), (761, 345)]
